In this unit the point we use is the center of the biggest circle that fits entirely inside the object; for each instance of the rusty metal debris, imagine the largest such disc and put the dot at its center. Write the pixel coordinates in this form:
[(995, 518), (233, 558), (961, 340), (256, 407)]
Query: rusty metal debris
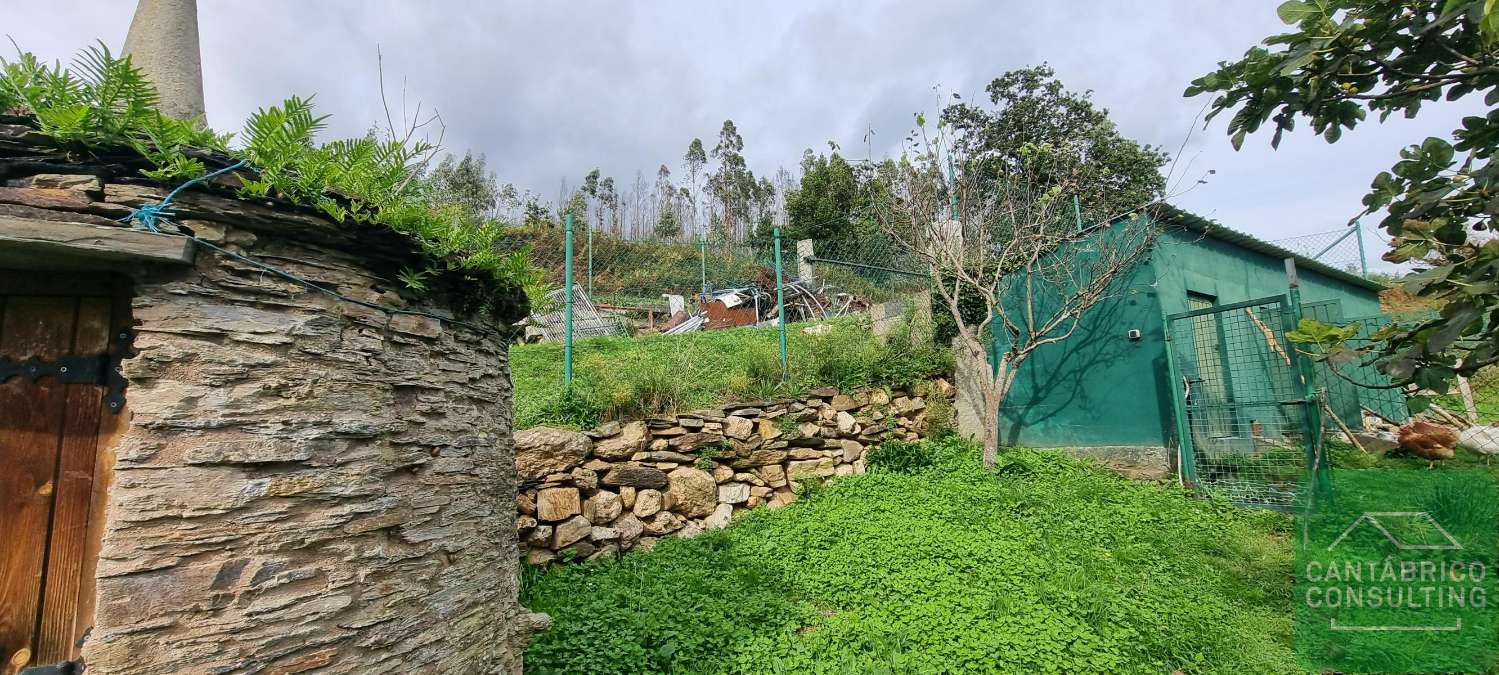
[(751, 305)]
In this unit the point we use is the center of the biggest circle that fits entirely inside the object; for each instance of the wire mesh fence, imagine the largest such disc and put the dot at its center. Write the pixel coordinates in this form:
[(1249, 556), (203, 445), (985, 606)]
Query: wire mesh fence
[(635, 275), (1471, 405), (640, 284), (1343, 249), (1246, 438), (588, 320), (873, 269), (1476, 399), (669, 285), (1362, 400)]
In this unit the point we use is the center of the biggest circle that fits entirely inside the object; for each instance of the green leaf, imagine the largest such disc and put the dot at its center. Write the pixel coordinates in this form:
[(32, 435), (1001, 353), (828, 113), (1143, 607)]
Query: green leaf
[(1456, 322), (1297, 60), (1437, 151), (1296, 11)]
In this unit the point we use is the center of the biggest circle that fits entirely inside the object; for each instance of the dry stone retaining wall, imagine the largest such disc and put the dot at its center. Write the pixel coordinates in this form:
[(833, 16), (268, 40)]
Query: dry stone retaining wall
[(624, 486)]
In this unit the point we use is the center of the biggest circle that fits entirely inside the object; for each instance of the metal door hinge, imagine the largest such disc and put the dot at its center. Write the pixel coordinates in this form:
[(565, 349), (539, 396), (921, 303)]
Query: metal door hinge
[(101, 369)]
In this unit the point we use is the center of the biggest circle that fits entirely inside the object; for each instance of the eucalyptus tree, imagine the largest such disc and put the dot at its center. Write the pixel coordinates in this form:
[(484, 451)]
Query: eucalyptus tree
[(590, 189), (667, 224), (466, 183), (609, 203), (694, 161), (732, 183)]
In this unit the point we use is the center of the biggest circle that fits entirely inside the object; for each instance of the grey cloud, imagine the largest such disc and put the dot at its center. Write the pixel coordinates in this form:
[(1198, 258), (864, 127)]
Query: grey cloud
[(548, 90)]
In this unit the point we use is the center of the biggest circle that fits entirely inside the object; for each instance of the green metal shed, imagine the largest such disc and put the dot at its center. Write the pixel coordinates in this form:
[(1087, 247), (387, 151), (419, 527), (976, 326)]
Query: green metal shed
[(1109, 389)]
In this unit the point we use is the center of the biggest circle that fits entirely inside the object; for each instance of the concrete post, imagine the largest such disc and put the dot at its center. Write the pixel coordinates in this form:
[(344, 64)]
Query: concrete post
[(163, 43), (969, 371), (804, 268)]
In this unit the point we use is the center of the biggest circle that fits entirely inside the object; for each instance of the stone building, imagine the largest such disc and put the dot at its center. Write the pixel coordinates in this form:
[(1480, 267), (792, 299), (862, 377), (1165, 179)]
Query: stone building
[(208, 468)]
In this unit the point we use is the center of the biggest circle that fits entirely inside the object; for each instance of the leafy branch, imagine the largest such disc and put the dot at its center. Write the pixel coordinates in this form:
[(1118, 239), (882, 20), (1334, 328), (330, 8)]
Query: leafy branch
[(1347, 58)]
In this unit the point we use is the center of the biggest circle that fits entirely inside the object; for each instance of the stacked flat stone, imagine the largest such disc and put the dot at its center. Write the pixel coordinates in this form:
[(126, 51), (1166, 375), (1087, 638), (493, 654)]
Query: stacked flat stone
[(623, 486)]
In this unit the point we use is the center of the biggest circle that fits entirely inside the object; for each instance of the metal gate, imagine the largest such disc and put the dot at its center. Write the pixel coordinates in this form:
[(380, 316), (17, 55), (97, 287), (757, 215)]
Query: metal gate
[(1244, 426)]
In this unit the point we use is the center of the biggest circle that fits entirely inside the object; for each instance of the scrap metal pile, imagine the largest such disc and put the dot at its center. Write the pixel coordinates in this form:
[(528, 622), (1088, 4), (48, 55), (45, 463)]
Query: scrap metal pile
[(753, 304)]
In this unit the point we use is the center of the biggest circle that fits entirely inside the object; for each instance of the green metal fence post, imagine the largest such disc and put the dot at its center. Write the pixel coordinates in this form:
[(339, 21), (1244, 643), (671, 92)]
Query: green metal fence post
[(1186, 460), (1363, 260), (1316, 461), (781, 307), (567, 317), (702, 245), (1077, 212)]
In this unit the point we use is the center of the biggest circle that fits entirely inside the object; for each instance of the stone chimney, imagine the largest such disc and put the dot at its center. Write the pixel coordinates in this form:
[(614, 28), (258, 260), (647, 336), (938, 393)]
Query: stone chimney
[(163, 43)]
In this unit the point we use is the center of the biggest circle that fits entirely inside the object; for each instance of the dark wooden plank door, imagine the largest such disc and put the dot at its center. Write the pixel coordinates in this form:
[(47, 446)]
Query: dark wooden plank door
[(49, 451)]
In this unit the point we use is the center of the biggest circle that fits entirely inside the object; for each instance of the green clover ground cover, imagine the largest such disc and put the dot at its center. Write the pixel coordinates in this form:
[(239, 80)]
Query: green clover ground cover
[(1050, 565)]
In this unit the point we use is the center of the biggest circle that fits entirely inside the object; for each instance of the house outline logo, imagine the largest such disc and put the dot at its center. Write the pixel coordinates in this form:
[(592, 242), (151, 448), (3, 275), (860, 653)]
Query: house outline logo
[(1372, 517)]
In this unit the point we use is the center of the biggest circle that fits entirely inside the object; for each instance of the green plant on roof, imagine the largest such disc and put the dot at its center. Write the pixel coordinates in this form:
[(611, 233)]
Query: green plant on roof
[(102, 102)]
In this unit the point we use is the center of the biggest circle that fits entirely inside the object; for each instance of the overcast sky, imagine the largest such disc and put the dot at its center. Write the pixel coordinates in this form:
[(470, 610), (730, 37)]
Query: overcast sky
[(548, 90)]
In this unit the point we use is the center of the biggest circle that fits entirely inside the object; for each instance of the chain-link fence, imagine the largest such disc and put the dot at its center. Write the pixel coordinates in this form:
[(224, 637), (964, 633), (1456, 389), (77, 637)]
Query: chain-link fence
[(1471, 406), (1362, 399), (873, 269), (632, 285), (635, 278), (1476, 399), (1344, 249), (671, 285)]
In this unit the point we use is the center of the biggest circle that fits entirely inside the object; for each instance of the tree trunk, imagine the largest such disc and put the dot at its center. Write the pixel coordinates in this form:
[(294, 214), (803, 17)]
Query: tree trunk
[(992, 390), (991, 422)]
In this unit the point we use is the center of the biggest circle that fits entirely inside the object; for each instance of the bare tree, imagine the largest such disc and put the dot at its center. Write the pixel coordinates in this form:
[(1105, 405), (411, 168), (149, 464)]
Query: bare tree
[(1007, 241), (639, 201)]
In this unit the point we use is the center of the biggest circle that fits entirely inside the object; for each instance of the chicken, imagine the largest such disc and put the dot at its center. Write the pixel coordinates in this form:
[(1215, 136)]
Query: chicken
[(1427, 440)]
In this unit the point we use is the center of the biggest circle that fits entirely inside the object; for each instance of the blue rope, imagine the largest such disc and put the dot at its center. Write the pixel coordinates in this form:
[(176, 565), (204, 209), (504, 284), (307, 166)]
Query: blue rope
[(147, 215)]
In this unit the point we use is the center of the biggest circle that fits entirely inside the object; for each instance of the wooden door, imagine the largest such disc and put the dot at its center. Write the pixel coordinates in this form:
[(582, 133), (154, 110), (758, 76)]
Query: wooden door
[(49, 461)]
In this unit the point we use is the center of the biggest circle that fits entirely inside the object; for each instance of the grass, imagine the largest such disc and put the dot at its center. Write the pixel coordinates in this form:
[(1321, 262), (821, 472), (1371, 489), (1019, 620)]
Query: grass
[(618, 378), (1345, 456), (1048, 565), (1484, 385)]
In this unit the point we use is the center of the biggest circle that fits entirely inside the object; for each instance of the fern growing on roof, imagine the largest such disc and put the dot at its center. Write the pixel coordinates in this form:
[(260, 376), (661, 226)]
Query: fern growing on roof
[(103, 102)]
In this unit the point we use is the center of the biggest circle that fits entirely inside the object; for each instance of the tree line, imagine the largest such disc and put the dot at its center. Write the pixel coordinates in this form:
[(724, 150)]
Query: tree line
[(712, 193)]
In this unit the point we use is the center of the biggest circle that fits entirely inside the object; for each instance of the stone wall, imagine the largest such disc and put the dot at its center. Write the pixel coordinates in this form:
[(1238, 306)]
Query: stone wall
[(304, 484), (623, 486)]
